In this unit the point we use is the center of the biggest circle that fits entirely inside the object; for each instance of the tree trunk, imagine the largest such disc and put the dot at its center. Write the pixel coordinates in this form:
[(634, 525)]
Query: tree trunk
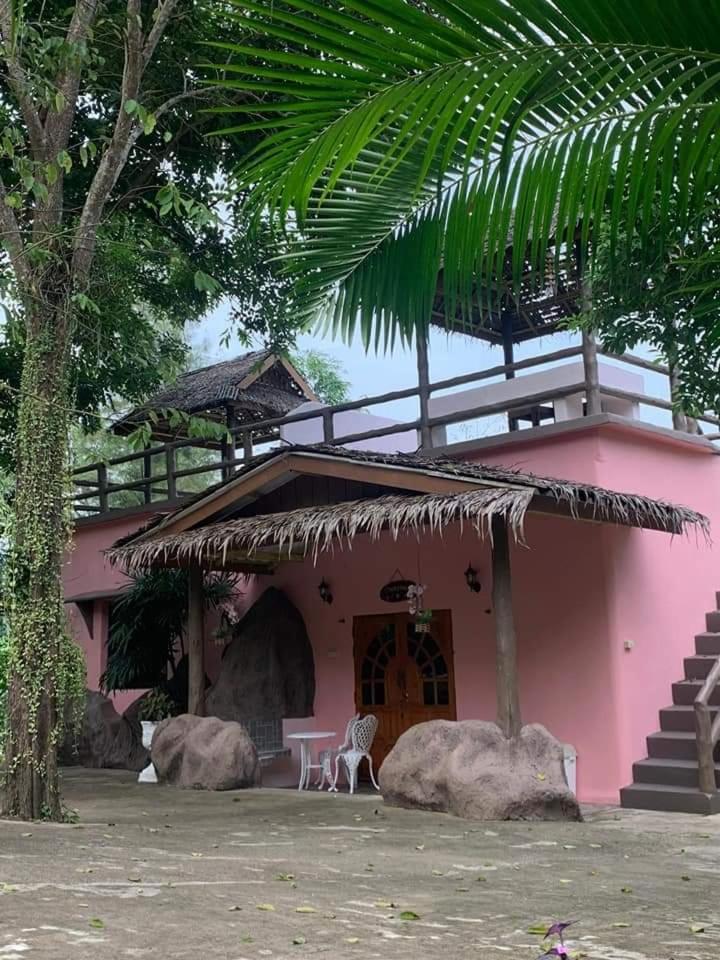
[(33, 586)]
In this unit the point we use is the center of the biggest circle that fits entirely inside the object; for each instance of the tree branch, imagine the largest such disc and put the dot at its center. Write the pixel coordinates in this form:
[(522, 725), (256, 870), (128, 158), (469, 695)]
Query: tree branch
[(19, 83), (138, 53), (12, 239)]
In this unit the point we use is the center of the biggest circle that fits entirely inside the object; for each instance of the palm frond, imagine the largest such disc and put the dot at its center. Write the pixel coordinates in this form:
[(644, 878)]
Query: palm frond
[(404, 139)]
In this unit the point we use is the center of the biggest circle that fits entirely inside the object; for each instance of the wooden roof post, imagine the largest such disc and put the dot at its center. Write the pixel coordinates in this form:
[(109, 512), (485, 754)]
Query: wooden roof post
[(196, 642), (506, 670), (423, 367)]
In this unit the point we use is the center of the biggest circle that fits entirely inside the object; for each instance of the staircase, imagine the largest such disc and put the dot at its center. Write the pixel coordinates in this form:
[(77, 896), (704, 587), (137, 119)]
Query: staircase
[(667, 779)]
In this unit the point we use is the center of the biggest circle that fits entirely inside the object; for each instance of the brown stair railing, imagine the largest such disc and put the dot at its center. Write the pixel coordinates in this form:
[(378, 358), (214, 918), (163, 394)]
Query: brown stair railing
[(707, 731)]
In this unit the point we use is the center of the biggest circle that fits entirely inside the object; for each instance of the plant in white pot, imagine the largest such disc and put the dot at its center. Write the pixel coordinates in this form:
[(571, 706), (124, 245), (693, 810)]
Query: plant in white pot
[(156, 706)]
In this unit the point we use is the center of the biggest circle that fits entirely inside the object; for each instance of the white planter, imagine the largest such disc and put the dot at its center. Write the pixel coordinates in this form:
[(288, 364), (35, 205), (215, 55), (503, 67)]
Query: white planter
[(148, 775)]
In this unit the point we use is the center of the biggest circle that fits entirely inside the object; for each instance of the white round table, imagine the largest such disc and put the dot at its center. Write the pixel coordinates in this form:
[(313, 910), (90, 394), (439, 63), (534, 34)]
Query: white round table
[(306, 764)]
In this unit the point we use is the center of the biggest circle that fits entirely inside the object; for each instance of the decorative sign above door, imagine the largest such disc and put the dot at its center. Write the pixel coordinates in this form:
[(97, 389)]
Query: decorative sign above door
[(396, 589)]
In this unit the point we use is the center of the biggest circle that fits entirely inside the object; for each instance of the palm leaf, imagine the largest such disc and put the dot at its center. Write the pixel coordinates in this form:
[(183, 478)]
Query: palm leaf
[(405, 140)]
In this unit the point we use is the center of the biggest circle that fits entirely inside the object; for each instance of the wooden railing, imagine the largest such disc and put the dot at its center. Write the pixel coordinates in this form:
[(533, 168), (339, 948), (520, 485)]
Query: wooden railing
[(707, 731), (96, 492)]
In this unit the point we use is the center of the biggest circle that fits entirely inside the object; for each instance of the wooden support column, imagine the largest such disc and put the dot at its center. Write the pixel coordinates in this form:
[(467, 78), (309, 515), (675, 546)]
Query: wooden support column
[(506, 669), (508, 358), (423, 368), (196, 642), (228, 447), (147, 475), (593, 404)]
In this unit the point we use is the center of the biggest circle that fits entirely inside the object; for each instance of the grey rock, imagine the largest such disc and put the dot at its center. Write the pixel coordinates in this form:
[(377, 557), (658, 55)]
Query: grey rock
[(204, 753), (468, 768), (267, 670), (105, 740)]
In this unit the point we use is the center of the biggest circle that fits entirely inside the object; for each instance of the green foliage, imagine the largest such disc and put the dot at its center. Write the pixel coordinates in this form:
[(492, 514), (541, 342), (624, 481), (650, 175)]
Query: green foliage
[(147, 626), (157, 705), (324, 373), (406, 138)]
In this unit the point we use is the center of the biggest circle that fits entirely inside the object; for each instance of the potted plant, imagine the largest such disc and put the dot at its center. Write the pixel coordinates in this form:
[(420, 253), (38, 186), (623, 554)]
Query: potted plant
[(156, 706)]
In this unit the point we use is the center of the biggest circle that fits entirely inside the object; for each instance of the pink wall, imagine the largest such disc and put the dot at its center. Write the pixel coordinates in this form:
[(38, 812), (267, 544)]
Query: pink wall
[(581, 591)]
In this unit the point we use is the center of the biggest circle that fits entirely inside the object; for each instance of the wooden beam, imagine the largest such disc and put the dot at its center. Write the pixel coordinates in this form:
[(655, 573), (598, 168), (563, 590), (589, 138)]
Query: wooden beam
[(506, 670), (196, 643)]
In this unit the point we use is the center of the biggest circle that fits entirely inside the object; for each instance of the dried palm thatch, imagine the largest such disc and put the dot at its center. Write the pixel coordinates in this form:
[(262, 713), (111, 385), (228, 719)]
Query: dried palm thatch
[(311, 530), (316, 529), (243, 384)]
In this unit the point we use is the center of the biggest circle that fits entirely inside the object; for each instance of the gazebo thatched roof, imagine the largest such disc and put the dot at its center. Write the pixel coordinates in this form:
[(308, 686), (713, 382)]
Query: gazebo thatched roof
[(253, 387), (484, 492)]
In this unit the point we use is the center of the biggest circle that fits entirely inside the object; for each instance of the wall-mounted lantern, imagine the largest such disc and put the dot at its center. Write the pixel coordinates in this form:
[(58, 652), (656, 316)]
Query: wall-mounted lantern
[(471, 578), (325, 591)]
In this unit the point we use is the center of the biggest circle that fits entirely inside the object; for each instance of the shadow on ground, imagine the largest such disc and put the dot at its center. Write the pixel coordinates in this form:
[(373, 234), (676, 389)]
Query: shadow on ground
[(160, 873)]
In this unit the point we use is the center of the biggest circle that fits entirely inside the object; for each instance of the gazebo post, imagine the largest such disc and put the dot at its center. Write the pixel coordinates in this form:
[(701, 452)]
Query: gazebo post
[(506, 670), (196, 642), (508, 357), (423, 368)]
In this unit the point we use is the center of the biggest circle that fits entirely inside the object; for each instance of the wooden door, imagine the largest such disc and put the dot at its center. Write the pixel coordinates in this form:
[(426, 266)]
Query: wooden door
[(401, 676)]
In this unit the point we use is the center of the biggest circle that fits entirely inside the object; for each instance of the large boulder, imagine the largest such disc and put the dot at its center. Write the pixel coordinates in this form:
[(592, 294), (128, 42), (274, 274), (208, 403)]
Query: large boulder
[(105, 739), (204, 753), (470, 769), (267, 670)]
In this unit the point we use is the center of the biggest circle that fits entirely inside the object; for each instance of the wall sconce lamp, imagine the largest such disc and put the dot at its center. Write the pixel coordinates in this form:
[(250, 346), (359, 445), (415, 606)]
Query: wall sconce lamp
[(471, 578), (325, 591)]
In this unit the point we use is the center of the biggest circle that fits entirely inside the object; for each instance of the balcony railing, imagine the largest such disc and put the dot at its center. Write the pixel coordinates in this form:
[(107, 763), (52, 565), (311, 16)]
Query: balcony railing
[(104, 486)]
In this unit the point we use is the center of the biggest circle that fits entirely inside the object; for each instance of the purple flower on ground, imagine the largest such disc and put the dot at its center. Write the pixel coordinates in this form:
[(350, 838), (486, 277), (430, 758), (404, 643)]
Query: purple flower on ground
[(558, 928), (559, 950)]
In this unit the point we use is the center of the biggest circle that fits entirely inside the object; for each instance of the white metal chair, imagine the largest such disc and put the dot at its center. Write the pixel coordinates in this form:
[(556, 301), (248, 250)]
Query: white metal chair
[(362, 733), (326, 757)]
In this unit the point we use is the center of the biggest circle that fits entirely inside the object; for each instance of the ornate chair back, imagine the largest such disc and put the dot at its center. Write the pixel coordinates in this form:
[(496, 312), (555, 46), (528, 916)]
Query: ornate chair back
[(363, 733)]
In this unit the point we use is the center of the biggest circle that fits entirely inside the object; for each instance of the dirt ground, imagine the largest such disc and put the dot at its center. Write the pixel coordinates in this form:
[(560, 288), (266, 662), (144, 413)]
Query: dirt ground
[(155, 872)]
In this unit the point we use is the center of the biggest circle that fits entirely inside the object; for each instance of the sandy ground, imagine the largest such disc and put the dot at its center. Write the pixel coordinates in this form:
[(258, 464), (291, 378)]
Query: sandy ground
[(160, 873)]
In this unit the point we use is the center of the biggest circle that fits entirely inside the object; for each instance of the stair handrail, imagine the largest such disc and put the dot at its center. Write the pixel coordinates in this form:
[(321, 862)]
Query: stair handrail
[(707, 731)]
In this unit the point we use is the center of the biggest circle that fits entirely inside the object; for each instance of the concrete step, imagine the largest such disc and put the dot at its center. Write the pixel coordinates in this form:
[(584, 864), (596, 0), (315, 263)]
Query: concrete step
[(672, 745), (670, 773), (656, 796), (698, 667), (707, 644), (712, 621), (685, 691), (681, 717)]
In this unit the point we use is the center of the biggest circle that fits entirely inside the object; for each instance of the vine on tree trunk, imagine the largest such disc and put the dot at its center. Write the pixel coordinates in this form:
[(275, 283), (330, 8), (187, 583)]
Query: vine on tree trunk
[(46, 668)]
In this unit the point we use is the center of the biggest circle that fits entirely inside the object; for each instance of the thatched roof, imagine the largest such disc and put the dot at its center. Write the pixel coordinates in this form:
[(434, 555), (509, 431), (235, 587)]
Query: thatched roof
[(256, 386), (492, 491)]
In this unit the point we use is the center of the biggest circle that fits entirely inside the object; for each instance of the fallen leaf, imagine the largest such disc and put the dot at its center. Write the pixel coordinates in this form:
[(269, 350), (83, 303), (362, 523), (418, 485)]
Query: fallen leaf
[(25, 834), (352, 939), (265, 906), (246, 939), (697, 928), (285, 876), (539, 929), (462, 889), (626, 889), (620, 924), (481, 879), (562, 880), (135, 879), (541, 776), (437, 873), (234, 909), (299, 941), (596, 846), (409, 915), (684, 877), (305, 910), (385, 904), (97, 923), (420, 846)]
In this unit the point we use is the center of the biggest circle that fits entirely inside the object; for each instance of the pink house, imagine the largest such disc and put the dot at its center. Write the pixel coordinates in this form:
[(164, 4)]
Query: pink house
[(614, 606)]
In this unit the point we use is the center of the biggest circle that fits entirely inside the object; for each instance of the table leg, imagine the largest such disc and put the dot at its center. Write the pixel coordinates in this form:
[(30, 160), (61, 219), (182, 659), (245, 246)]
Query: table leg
[(303, 764)]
